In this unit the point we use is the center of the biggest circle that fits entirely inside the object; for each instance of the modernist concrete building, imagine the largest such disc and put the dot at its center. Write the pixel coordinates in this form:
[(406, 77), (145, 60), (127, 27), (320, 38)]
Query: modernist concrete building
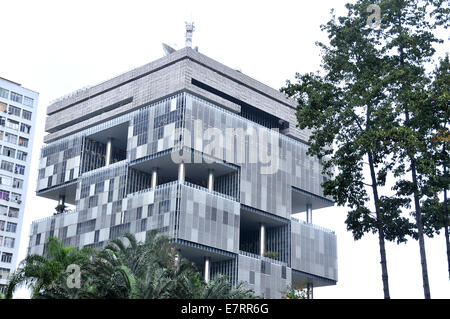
[(207, 155), (18, 107)]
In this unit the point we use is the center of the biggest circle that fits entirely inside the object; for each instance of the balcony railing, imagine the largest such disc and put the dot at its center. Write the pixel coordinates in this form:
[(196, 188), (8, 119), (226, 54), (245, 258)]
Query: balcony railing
[(326, 230), (267, 259), (204, 189)]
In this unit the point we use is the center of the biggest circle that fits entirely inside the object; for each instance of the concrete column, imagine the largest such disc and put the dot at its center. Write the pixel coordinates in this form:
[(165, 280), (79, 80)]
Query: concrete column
[(61, 203), (108, 152), (177, 258), (62, 200), (211, 180), (309, 213), (309, 290), (262, 239), (154, 177), (207, 269), (181, 172)]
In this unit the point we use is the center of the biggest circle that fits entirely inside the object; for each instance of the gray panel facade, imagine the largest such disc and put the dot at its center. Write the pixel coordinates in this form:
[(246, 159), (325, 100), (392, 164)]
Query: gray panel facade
[(154, 118)]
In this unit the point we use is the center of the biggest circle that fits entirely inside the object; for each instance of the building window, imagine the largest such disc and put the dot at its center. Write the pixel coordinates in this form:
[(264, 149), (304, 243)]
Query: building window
[(19, 169), (14, 110), (6, 257), (25, 128), (13, 212), (11, 138), (3, 107), (9, 242), (14, 125), (2, 225), (9, 152), (6, 180), (4, 273), (4, 93), (1, 135), (23, 141), (16, 97), (17, 183), (7, 166), (2, 121), (28, 101), (11, 227), (22, 155), (38, 239), (3, 210), (26, 115), (16, 198), (4, 195)]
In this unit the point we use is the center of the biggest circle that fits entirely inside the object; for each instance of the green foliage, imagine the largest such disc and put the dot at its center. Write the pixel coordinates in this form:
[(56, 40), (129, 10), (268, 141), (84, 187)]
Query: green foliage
[(40, 273), (370, 105), (60, 208), (347, 108), (271, 254), (293, 293), (124, 269)]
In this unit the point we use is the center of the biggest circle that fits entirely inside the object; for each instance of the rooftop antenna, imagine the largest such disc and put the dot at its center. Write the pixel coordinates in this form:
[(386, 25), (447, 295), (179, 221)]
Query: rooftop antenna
[(189, 31)]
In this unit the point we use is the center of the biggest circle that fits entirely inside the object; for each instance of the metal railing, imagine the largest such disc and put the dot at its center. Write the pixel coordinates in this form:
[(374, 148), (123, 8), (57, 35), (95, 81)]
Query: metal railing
[(204, 189), (267, 259), (323, 229)]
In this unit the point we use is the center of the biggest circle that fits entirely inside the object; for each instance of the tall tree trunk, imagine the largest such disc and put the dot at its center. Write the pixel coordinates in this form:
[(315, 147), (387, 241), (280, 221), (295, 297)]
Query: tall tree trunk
[(447, 240), (419, 223), (383, 262), (423, 257)]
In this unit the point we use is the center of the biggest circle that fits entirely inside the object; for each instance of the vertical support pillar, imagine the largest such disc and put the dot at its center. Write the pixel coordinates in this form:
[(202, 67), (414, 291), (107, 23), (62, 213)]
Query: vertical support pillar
[(177, 258), (154, 177), (262, 240), (309, 290), (62, 200), (207, 269), (181, 173), (211, 180), (108, 151), (309, 213), (61, 204)]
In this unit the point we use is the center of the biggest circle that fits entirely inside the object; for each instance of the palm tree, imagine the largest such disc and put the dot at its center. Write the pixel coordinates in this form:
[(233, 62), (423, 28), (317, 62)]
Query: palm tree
[(44, 273), (221, 288), (123, 269), (151, 270)]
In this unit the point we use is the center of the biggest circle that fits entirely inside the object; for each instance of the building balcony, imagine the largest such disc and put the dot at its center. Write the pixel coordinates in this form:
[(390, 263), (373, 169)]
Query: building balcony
[(313, 254)]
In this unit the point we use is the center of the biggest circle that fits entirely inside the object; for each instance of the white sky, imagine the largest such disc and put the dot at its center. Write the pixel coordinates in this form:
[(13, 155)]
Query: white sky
[(55, 47)]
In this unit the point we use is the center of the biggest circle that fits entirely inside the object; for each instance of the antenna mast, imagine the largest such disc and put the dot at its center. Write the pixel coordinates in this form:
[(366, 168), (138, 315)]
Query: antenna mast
[(189, 31)]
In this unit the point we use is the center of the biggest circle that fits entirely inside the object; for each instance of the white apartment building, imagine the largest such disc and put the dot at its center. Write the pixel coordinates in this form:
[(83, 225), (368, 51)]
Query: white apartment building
[(18, 107)]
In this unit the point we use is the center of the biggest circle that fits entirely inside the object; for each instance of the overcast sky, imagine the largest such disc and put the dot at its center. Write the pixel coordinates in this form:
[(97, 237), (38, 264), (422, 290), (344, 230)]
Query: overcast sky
[(55, 47)]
